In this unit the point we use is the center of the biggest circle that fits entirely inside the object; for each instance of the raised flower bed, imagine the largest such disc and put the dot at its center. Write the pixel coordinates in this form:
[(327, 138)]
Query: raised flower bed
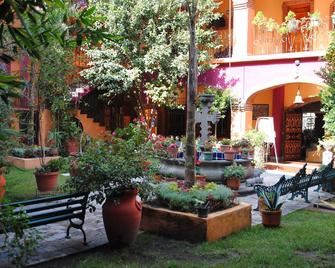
[(174, 212)]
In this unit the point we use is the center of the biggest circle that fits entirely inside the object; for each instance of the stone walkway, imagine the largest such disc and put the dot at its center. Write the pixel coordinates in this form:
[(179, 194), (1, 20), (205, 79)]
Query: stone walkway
[(54, 245)]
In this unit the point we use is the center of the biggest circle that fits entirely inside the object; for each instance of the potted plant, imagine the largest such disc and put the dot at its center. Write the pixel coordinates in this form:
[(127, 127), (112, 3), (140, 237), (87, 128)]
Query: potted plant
[(47, 175), (225, 145), (114, 172), (233, 174), (54, 141), (291, 22), (71, 134), (172, 150), (207, 153), (270, 207), (314, 19)]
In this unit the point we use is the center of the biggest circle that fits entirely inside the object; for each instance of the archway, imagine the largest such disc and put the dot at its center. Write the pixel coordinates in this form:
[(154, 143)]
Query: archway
[(277, 102)]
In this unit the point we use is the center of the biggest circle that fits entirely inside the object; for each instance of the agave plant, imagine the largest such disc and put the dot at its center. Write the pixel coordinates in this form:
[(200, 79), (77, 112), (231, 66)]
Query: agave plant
[(271, 198)]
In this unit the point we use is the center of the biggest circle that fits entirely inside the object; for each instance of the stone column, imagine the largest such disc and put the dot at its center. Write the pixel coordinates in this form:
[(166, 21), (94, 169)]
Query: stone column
[(243, 29)]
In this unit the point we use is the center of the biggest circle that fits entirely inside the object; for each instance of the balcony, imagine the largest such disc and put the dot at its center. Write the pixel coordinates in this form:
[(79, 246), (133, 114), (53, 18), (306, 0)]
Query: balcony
[(307, 38)]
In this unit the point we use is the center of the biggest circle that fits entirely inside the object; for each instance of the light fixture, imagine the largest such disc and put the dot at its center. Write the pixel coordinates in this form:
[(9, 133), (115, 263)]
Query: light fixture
[(298, 99)]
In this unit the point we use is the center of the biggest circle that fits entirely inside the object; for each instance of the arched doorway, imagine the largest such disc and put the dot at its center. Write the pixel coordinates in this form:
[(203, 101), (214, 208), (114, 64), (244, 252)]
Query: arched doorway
[(303, 129), (294, 124)]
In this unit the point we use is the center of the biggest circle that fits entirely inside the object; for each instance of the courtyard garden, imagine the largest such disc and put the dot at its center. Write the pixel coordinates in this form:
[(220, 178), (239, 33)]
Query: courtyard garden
[(86, 178)]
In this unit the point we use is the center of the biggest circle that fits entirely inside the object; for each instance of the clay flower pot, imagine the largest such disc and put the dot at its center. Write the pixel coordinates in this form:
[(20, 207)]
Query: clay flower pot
[(122, 219), (173, 152), (271, 218), (233, 183), (72, 147), (201, 179), (229, 155), (46, 181)]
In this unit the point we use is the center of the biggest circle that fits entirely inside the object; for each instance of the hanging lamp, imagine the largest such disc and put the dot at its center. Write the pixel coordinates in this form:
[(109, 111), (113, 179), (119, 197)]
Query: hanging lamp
[(298, 99)]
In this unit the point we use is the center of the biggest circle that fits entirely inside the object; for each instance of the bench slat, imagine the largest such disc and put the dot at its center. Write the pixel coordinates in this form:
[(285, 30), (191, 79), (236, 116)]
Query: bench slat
[(44, 200), (51, 214), (57, 205), (40, 222)]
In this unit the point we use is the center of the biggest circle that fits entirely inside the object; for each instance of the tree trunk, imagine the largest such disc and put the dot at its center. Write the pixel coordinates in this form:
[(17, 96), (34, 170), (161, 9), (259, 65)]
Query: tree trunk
[(192, 85)]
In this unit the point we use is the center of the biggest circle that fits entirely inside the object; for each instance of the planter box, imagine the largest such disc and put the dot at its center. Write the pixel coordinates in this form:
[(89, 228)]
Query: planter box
[(189, 227), (28, 163)]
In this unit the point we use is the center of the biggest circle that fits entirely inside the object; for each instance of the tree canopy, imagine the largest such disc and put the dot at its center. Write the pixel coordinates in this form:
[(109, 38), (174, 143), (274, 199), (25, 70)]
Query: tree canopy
[(153, 56)]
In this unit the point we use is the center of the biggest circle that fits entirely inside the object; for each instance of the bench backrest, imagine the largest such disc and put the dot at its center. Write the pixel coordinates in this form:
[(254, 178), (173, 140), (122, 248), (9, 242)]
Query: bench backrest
[(47, 210)]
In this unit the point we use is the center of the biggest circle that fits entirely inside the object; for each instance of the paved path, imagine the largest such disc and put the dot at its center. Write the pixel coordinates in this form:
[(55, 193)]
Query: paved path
[(54, 245)]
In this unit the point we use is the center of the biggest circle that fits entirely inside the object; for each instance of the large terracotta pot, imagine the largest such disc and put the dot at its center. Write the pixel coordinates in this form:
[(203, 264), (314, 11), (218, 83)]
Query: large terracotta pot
[(122, 219), (46, 181), (271, 218), (72, 147), (233, 183)]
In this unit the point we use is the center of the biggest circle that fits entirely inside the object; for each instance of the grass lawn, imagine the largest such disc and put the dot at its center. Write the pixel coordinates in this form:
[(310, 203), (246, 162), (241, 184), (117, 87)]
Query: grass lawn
[(21, 184), (306, 239)]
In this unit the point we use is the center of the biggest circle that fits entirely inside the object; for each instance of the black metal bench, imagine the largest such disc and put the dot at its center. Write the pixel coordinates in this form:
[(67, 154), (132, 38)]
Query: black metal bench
[(300, 182), (53, 209)]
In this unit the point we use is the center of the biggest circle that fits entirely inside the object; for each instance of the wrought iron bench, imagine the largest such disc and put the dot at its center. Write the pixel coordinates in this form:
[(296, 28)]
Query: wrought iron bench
[(300, 182), (47, 210)]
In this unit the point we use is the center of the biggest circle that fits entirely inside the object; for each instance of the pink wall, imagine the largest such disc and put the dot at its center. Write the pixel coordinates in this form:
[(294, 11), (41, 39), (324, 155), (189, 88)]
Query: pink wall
[(249, 77)]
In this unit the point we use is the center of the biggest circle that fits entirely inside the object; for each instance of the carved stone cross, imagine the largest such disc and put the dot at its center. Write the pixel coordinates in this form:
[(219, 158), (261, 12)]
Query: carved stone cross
[(205, 116)]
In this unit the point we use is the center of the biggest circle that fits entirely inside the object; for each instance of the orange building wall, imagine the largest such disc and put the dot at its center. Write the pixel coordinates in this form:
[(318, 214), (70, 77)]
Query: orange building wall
[(270, 8), (306, 91), (263, 97)]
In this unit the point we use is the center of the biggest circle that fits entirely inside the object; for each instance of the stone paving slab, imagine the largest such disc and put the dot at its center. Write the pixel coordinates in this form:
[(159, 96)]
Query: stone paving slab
[(54, 245)]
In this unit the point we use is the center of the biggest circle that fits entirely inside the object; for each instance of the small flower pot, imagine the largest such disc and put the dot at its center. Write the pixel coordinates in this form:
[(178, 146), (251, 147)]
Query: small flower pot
[(233, 183), (225, 148), (173, 152), (208, 156), (202, 212), (46, 181), (201, 179), (229, 155), (72, 147), (271, 218)]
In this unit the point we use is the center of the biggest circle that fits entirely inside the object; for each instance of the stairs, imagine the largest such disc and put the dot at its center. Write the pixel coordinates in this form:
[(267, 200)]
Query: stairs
[(290, 167), (94, 129)]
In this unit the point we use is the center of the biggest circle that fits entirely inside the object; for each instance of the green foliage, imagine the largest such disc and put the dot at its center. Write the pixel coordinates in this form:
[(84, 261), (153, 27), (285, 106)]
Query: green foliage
[(108, 168), (183, 199), (154, 54), (271, 199), (23, 242), (222, 99), (234, 171), (53, 165), (327, 94), (259, 19), (256, 138)]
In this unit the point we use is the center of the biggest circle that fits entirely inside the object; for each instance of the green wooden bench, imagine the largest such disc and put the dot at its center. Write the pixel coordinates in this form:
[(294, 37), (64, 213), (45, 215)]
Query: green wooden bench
[(301, 182), (42, 211)]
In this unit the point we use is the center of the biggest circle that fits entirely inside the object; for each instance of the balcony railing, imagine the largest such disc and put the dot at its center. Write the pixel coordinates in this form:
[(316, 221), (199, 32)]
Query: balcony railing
[(305, 35)]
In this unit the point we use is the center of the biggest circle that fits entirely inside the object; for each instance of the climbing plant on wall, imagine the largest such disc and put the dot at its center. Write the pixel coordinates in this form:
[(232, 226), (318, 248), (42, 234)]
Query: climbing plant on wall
[(327, 94)]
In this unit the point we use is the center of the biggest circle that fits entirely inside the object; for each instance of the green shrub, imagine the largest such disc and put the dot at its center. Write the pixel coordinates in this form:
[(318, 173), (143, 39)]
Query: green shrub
[(52, 166), (235, 171), (176, 197)]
